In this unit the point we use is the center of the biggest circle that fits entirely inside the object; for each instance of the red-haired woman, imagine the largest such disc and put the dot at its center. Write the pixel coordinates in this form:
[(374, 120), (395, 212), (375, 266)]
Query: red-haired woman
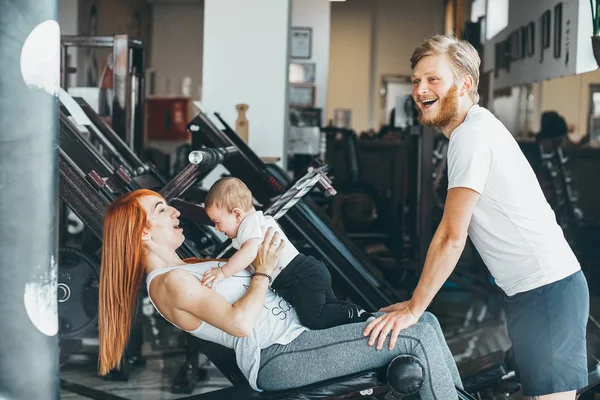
[(273, 350)]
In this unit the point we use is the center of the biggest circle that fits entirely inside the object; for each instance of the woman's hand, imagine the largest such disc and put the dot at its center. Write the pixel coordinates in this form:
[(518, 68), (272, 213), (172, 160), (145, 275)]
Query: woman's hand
[(268, 252)]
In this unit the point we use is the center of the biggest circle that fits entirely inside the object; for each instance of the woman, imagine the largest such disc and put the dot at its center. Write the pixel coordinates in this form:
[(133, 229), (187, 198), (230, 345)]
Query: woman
[(273, 350)]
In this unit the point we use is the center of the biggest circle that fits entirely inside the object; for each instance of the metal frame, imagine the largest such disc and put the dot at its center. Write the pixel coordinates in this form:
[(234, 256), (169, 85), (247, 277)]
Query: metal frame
[(117, 145), (85, 200), (128, 82), (114, 181), (424, 189)]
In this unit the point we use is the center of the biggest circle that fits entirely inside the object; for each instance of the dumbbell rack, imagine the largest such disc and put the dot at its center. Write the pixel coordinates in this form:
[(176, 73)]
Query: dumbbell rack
[(564, 198)]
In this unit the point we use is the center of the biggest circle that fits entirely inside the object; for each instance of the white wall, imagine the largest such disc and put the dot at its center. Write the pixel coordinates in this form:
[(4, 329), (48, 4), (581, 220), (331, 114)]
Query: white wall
[(68, 18), (350, 60), (575, 50), (570, 97), (498, 17), (316, 14), (177, 30), (477, 9), (585, 56), (369, 39), (506, 109), (246, 61)]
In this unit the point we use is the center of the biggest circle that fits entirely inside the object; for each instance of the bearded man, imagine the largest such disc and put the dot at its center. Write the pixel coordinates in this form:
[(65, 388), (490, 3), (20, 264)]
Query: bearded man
[(495, 199)]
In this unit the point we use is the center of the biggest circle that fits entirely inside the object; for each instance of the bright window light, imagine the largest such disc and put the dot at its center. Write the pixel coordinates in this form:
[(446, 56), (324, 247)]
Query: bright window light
[(496, 16)]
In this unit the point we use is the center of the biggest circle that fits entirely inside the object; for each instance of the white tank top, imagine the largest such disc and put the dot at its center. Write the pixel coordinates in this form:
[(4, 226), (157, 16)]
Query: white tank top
[(278, 322)]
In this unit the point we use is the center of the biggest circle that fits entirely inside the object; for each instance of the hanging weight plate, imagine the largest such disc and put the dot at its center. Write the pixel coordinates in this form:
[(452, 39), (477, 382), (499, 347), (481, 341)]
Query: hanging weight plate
[(78, 275)]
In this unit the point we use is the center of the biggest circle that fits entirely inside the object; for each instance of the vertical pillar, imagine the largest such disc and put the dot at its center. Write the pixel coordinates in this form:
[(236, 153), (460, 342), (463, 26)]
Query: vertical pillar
[(30, 63), (245, 60), (425, 191), (316, 14)]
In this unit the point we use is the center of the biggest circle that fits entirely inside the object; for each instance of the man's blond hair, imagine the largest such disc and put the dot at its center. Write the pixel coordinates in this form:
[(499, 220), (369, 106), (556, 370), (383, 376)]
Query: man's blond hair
[(464, 57), (229, 193)]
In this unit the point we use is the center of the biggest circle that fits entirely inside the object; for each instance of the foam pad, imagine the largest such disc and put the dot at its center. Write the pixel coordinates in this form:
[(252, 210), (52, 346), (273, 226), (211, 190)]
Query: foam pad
[(405, 375)]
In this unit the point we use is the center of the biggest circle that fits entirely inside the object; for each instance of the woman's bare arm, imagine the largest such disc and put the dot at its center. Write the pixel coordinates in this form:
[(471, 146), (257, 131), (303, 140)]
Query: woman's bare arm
[(187, 294)]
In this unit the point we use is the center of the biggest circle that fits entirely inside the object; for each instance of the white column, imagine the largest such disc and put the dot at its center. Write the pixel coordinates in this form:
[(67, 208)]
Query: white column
[(316, 14), (68, 19), (245, 60)]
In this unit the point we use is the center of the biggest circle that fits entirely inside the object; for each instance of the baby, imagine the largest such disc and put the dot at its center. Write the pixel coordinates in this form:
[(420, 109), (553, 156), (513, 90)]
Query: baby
[(302, 280)]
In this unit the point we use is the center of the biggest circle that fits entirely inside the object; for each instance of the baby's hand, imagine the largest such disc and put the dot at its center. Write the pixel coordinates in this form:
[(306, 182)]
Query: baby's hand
[(212, 276)]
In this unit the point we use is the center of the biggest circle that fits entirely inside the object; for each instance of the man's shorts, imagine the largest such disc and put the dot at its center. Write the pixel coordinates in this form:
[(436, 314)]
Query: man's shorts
[(547, 328)]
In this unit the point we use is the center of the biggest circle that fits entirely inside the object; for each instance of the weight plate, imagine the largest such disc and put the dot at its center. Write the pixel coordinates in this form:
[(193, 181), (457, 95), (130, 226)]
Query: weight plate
[(78, 275)]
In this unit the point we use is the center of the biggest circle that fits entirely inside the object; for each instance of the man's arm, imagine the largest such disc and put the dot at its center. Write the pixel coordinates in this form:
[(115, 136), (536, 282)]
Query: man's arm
[(446, 247), (443, 254)]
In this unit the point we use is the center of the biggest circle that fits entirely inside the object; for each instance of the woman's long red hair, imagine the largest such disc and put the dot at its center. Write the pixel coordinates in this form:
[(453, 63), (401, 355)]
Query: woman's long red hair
[(121, 274)]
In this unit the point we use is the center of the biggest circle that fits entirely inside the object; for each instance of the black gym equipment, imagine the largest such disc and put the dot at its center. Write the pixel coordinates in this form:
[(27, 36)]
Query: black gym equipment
[(128, 81), (28, 190), (400, 379), (359, 208), (86, 144), (78, 277)]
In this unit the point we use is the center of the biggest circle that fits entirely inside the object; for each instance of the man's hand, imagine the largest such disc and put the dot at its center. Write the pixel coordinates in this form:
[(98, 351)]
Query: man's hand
[(398, 318), (212, 276), (395, 307)]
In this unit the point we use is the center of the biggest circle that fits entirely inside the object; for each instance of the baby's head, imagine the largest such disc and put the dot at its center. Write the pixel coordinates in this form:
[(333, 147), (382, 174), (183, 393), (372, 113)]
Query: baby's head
[(227, 203)]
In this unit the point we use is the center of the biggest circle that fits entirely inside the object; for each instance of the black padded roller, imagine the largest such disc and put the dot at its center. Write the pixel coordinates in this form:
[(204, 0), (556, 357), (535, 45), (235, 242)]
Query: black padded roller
[(405, 375)]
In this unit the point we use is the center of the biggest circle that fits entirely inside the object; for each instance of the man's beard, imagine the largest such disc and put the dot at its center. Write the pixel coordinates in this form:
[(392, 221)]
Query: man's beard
[(446, 113)]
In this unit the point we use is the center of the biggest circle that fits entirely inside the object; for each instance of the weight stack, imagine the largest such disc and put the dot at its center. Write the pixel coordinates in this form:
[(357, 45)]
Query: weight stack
[(29, 83)]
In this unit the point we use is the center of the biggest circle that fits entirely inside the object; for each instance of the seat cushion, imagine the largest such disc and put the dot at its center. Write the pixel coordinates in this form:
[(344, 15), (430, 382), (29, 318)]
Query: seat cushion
[(325, 389)]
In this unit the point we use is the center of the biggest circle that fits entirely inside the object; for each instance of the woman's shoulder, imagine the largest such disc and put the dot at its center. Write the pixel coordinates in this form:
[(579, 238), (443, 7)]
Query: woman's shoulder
[(173, 278), (177, 284)]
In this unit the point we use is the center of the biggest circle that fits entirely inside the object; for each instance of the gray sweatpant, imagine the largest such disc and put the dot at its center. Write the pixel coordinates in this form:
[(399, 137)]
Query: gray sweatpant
[(316, 356)]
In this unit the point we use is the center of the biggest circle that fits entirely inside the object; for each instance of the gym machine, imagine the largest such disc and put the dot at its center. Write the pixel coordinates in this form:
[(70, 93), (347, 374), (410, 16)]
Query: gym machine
[(86, 142), (127, 118)]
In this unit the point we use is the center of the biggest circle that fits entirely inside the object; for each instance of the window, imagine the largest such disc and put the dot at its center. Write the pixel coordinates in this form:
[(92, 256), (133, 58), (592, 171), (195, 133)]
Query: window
[(477, 10), (497, 17)]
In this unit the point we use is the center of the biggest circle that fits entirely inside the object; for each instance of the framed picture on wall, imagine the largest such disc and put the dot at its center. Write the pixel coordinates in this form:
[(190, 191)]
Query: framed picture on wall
[(301, 42), (302, 72), (302, 95)]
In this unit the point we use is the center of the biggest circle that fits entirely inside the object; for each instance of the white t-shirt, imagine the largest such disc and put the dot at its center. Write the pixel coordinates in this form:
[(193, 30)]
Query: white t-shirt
[(513, 227), (278, 322), (254, 226)]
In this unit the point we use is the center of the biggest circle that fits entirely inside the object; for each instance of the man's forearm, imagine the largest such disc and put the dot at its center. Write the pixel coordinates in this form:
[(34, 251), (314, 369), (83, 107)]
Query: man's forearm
[(442, 256)]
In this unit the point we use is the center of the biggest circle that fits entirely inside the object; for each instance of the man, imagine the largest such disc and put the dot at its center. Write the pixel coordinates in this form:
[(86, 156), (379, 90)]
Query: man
[(495, 198)]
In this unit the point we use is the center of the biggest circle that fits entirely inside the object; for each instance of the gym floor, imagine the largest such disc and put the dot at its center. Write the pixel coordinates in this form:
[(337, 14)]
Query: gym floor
[(150, 382), (153, 381)]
